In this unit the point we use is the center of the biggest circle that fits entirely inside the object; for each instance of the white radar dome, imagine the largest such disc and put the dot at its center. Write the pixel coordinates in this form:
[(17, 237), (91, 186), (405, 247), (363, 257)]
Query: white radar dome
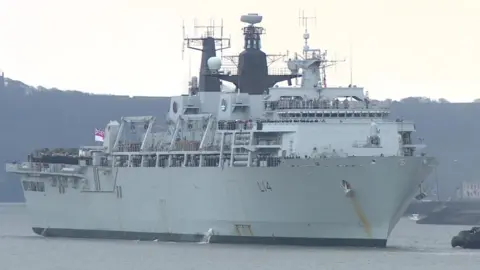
[(214, 63), (251, 18)]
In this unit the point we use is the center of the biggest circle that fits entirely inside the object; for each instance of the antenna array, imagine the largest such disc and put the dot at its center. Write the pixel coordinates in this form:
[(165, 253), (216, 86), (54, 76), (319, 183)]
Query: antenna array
[(207, 31), (303, 20), (315, 53)]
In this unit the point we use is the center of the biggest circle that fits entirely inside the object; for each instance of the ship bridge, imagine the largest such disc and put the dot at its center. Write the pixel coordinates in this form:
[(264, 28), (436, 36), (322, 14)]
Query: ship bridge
[(354, 92), (335, 102)]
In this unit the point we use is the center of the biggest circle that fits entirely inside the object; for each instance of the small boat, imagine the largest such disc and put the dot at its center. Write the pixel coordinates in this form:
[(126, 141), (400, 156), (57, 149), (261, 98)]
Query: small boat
[(467, 239), (415, 217)]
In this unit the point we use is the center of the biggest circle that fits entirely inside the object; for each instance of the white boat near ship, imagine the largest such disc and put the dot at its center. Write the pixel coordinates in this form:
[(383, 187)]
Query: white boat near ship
[(293, 165)]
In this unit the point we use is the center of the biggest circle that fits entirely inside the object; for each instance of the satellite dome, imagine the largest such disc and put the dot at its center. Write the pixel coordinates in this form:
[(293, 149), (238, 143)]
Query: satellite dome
[(251, 18), (214, 63)]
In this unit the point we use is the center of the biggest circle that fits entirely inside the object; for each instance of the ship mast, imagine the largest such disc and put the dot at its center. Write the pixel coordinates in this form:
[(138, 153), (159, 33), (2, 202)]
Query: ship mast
[(304, 21), (314, 62), (208, 43)]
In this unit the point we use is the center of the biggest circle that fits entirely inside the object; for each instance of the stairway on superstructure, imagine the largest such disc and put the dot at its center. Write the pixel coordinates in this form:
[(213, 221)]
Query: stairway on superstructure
[(240, 148)]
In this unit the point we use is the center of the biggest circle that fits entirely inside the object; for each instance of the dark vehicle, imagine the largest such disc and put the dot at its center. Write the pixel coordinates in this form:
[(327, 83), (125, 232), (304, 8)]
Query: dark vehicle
[(467, 239)]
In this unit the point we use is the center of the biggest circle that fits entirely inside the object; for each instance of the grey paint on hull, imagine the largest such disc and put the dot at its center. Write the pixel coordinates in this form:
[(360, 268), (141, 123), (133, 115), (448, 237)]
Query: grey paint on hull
[(307, 205)]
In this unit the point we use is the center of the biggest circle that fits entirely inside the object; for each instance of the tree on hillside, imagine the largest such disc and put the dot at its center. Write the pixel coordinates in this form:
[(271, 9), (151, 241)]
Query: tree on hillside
[(443, 100), (416, 100)]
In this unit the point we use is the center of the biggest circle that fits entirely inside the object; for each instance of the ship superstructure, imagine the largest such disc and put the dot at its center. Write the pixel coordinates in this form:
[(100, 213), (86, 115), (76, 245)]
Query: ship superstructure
[(251, 74), (304, 165)]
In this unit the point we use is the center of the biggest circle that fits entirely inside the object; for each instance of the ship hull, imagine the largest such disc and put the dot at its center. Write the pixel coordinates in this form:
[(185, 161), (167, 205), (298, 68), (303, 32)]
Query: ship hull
[(216, 239), (301, 202)]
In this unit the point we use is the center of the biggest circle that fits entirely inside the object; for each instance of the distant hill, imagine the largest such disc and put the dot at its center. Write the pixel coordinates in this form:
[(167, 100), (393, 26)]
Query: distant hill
[(451, 131), (35, 117)]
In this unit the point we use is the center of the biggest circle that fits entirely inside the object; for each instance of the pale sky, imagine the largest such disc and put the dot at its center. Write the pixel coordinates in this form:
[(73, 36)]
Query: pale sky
[(133, 47)]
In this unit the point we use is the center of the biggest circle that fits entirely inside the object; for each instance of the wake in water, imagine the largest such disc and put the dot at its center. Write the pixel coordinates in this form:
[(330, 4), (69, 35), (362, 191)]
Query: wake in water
[(206, 237), (414, 217)]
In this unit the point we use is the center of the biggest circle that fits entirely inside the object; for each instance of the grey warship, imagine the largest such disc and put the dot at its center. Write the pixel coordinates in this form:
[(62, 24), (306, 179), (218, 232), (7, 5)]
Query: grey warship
[(307, 164)]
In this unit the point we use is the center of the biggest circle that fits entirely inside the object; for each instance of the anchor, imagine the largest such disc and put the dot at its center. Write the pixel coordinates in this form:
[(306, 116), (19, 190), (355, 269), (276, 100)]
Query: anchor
[(421, 194), (349, 193), (347, 189)]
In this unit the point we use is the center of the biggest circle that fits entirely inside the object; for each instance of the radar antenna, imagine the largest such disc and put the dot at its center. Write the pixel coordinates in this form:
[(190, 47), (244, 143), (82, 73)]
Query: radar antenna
[(303, 21), (208, 43), (315, 54), (198, 41), (350, 59)]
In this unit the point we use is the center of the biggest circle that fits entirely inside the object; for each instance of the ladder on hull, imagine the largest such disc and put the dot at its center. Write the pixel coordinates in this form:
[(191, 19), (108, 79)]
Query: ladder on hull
[(241, 151)]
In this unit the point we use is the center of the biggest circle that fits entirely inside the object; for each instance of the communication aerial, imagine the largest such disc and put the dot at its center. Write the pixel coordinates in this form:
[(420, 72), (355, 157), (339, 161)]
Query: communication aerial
[(208, 41), (207, 31), (309, 53)]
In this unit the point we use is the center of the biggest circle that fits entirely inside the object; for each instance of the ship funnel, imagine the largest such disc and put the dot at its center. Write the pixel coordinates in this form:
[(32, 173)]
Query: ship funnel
[(252, 69)]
